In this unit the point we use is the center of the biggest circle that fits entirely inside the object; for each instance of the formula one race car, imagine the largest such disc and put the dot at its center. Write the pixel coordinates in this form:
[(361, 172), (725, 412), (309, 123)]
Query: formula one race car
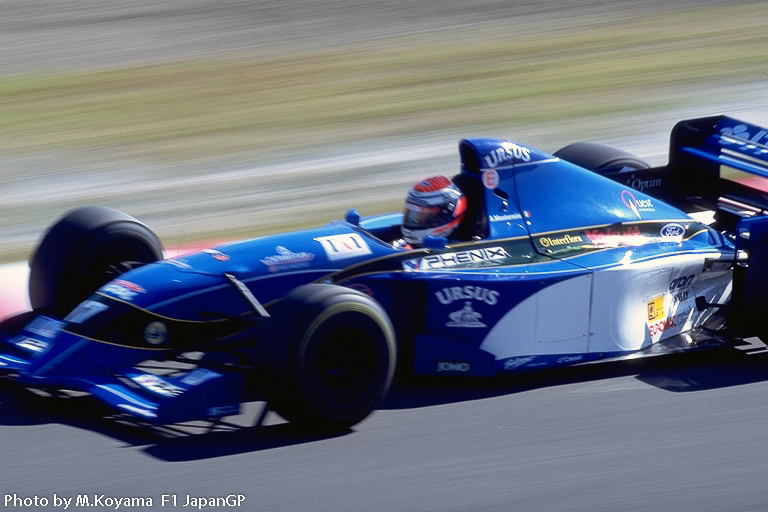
[(568, 258)]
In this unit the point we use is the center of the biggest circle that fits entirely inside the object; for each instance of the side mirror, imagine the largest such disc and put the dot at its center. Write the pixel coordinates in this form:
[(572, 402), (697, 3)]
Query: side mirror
[(435, 242), (352, 217)]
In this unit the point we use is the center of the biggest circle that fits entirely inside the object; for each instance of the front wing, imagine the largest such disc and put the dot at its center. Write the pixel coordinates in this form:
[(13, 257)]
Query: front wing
[(42, 355)]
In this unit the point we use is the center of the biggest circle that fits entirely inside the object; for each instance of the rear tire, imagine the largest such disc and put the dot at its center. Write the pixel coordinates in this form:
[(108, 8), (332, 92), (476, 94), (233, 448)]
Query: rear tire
[(600, 158), (331, 357), (84, 250)]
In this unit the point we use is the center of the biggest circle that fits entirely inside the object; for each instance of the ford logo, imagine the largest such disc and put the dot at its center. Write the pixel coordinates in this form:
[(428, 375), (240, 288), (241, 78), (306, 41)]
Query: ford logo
[(672, 230)]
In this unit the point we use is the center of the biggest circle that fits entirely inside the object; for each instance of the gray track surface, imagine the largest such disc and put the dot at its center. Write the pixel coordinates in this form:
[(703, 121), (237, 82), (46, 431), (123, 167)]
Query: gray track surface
[(684, 434)]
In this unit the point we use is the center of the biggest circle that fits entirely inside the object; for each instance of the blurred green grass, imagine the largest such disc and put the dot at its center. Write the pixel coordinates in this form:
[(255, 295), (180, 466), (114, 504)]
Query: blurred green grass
[(167, 116), (413, 84)]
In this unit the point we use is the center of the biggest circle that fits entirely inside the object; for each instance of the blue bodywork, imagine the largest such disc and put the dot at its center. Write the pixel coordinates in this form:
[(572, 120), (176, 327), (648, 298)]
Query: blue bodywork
[(540, 229)]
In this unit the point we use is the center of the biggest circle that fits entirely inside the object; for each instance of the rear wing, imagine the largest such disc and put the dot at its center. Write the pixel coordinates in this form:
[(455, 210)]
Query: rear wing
[(721, 164), (722, 161), (716, 163)]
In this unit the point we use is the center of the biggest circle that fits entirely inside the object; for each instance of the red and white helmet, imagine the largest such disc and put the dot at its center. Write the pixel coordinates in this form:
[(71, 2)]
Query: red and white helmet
[(433, 207)]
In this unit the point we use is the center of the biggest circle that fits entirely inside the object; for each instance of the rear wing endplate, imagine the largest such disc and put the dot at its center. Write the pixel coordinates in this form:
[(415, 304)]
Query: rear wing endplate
[(722, 163)]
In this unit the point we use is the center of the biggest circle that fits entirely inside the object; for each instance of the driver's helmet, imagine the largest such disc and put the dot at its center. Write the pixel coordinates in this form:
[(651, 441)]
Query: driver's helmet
[(433, 207)]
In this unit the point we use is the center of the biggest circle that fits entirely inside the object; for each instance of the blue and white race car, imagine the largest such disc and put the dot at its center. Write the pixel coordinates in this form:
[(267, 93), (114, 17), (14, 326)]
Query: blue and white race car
[(577, 256)]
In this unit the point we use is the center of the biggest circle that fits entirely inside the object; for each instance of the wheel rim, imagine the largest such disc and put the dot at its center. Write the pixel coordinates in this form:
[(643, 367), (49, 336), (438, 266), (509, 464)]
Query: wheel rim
[(346, 369), (114, 258)]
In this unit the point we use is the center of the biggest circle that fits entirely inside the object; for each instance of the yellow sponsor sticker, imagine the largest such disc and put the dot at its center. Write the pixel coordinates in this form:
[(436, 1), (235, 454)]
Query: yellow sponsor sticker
[(656, 308)]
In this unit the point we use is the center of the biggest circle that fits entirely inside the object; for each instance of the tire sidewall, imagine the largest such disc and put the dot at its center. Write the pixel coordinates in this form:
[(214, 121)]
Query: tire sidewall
[(82, 239), (600, 158), (297, 386), (353, 316)]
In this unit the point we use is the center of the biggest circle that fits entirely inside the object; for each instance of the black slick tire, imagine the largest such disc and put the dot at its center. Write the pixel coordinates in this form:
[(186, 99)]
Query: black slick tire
[(600, 158), (84, 250), (331, 357)]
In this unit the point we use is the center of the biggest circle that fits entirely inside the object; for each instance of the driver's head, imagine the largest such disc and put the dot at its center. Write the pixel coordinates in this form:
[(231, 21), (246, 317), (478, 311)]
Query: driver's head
[(434, 206)]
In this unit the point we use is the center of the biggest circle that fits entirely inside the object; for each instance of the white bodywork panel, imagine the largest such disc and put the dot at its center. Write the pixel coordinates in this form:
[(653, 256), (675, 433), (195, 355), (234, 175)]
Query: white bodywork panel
[(623, 308), (552, 321)]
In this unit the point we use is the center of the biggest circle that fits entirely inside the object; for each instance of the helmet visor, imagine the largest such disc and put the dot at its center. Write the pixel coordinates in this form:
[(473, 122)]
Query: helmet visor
[(422, 217)]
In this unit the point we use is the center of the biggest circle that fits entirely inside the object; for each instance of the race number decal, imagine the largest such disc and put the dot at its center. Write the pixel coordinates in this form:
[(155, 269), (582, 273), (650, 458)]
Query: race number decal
[(490, 178), (339, 247)]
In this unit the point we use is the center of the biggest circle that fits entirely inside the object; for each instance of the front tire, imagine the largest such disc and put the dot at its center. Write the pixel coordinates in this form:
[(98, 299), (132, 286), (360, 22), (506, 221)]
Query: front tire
[(84, 250), (332, 357)]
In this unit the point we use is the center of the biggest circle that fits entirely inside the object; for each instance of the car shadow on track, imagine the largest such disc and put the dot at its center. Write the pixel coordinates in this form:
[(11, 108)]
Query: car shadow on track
[(182, 442), (682, 372), (250, 433)]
